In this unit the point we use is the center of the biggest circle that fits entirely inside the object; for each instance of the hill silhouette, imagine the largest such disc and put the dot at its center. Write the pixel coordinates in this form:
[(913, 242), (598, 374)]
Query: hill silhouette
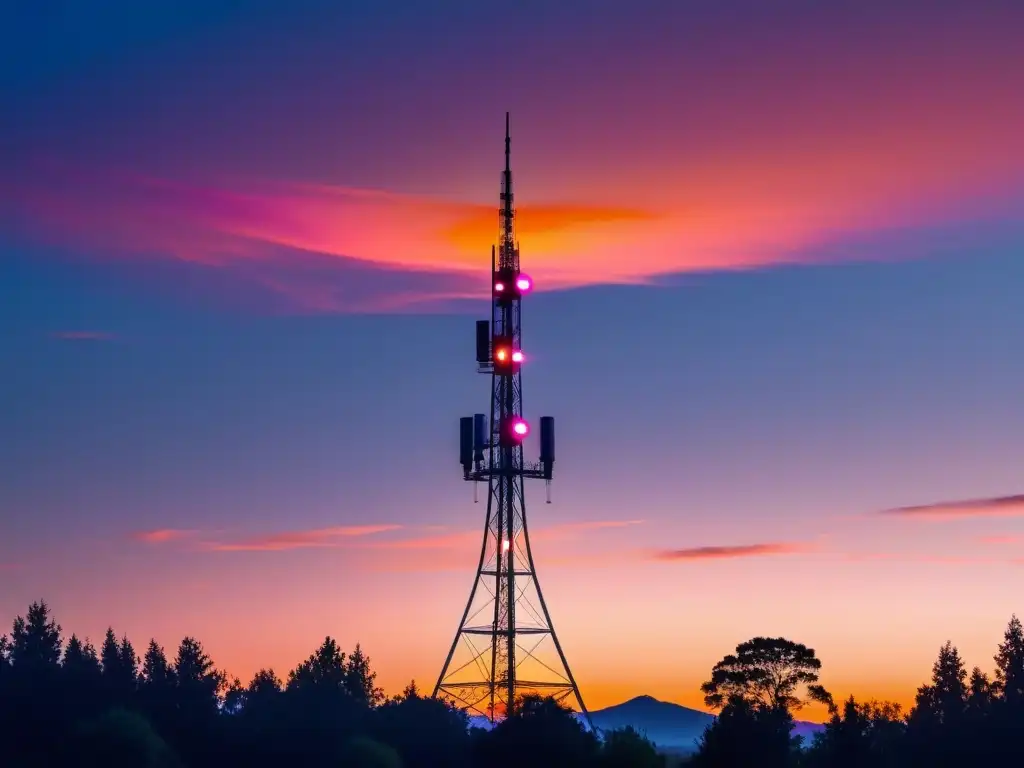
[(669, 725)]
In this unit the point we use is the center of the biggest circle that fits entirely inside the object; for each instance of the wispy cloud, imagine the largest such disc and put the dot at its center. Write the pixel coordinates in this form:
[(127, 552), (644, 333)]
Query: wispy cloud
[(995, 506), (163, 535), (82, 336), (311, 539), (321, 248), (734, 551)]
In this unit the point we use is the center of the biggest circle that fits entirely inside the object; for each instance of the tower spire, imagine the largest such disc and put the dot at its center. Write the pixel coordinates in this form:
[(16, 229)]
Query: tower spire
[(506, 640), (508, 148)]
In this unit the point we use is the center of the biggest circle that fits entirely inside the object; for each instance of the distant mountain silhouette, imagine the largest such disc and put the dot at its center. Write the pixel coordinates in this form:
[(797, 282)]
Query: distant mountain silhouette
[(669, 725)]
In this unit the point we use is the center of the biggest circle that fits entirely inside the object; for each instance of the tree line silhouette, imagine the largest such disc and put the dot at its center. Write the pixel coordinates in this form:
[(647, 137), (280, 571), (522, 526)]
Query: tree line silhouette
[(956, 719), (65, 703), (69, 704)]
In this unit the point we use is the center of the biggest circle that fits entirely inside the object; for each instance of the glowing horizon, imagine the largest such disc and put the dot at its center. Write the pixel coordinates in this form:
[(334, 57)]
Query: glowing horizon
[(776, 256)]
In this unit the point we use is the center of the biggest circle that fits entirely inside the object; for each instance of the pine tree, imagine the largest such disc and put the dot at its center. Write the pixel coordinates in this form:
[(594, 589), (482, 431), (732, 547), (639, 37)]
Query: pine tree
[(325, 667), (264, 683), (263, 690), (35, 639), (119, 667), (360, 679), (979, 695), (129, 663), (80, 659), (110, 654), (156, 672), (198, 680), (1009, 677), (949, 683), (5, 660), (234, 698)]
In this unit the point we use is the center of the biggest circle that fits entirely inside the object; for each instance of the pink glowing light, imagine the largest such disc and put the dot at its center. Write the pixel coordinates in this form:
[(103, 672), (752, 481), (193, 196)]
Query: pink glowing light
[(520, 428), (523, 283), (517, 357)]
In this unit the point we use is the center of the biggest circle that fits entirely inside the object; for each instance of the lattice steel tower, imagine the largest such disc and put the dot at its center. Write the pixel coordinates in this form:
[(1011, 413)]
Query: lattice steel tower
[(506, 645)]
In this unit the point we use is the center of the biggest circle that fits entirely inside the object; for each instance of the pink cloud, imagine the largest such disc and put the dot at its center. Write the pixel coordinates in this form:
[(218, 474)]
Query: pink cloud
[(324, 249), (162, 535), (996, 506), (316, 538), (727, 552)]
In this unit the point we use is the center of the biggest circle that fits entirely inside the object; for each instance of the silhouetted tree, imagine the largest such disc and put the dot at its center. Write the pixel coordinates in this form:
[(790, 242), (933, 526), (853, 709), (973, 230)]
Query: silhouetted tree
[(157, 689), (157, 673), (35, 639), (748, 733), (863, 735), (199, 683), (541, 732), (1009, 676), (427, 733), (33, 706), (944, 700), (234, 698), (120, 669), (979, 694), (937, 723), (359, 679), (627, 748), (80, 660), (324, 667), (264, 686), (769, 672)]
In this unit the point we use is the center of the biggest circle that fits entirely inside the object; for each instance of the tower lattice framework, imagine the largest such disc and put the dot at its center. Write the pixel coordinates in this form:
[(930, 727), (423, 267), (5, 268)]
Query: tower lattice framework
[(505, 646)]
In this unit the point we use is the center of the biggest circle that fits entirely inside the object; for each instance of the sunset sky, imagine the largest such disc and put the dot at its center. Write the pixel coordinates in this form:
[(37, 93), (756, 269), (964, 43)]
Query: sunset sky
[(779, 256)]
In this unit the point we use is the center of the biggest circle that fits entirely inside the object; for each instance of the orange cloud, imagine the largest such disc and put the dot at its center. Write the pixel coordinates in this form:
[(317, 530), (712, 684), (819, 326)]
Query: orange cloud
[(536, 224), (741, 550), (319, 537), (323, 248), (162, 535), (997, 506)]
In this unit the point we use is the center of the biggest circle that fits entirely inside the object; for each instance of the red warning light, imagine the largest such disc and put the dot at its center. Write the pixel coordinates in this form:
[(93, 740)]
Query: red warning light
[(499, 286), (520, 428), (501, 355), (524, 283), (517, 356)]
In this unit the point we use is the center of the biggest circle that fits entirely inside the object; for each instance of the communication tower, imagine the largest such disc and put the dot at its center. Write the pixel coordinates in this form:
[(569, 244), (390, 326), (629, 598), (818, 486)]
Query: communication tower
[(505, 646)]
